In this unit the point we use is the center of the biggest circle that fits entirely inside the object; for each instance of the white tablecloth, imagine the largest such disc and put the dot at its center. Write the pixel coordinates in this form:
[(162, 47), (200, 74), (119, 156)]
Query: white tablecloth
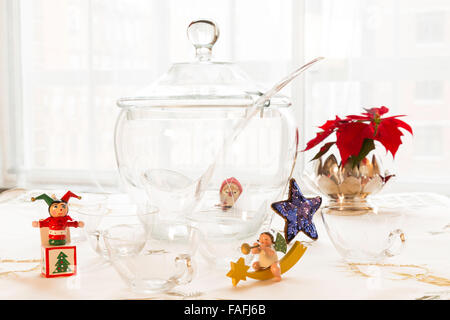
[(422, 271)]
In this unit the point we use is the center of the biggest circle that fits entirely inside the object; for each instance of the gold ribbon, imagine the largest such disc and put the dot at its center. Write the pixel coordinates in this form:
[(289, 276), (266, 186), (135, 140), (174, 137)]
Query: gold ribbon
[(6, 273), (421, 276)]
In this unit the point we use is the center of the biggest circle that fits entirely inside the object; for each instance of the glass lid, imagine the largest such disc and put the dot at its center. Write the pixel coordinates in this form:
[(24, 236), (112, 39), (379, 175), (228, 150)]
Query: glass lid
[(202, 83)]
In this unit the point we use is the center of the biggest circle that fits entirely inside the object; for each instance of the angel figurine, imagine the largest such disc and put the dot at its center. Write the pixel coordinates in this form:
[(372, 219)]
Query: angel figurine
[(268, 257)]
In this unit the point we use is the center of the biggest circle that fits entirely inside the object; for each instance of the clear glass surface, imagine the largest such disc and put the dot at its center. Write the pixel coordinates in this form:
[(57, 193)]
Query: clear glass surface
[(202, 82), (165, 262), (162, 155), (101, 216), (170, 145), (360, 230), (367, 238)]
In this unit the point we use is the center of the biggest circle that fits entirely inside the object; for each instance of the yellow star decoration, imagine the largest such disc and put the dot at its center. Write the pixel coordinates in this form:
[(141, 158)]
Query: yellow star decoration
[(238, 271)]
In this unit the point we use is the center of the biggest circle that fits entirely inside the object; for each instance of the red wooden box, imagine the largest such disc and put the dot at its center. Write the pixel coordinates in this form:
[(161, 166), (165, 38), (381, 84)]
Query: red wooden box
[(58, 261)]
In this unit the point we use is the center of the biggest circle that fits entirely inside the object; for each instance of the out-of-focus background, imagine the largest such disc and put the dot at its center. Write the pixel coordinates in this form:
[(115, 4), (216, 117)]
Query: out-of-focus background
[(64, 63)]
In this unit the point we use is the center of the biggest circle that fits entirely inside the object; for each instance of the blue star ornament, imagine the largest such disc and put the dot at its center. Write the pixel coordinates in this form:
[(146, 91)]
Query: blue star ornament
[(298, 213)]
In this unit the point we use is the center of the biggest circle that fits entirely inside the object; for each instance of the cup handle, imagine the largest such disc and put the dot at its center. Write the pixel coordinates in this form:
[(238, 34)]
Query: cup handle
[(184, 261), (396, 241)]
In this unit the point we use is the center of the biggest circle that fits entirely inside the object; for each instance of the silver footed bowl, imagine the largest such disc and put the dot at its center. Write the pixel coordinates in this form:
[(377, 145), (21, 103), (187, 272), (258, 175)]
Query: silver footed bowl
[(348, 187)]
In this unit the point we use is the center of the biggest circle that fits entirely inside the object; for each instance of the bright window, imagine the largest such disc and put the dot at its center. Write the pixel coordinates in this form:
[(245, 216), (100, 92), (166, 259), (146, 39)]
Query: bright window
[(66, 62)]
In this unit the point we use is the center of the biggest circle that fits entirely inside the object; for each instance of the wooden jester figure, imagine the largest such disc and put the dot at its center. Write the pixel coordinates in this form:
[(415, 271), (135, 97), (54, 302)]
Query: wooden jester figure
[(59, 219)]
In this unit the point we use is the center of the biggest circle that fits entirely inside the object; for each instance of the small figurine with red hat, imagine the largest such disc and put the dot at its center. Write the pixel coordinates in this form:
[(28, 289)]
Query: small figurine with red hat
[(58, 221), (58, 258), (230, 190)]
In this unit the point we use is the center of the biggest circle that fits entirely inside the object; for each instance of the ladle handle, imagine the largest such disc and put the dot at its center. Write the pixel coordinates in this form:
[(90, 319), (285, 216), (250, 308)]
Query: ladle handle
[(241, 125)]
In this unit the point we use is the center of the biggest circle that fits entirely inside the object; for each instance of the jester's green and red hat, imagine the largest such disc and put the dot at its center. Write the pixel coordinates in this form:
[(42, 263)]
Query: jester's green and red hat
[(50, 201)]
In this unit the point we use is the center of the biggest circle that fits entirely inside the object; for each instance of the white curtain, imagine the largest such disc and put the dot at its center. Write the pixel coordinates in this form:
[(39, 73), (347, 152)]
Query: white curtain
[(393, 53), (6, 86), (65, 62), (75, 58)]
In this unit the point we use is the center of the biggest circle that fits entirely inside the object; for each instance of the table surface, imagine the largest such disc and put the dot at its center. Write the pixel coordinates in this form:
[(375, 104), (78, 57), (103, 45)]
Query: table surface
[(421, 271)]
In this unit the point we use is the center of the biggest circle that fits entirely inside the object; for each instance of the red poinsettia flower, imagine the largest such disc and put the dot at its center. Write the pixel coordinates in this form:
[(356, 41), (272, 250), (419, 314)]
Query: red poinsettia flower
[(355, 135)]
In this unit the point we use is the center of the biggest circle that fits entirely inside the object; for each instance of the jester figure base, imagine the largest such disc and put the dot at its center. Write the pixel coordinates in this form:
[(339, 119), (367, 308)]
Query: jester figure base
[(239, 271), (58, 261)]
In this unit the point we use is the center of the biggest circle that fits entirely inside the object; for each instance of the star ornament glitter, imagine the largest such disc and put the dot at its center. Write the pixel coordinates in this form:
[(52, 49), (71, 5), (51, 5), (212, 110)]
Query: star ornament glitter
[(298, 213)]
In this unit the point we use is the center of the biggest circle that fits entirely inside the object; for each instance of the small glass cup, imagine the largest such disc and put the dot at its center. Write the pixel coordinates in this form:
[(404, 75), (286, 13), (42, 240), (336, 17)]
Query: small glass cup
[(99, 217), (368, 238), (164, 263)]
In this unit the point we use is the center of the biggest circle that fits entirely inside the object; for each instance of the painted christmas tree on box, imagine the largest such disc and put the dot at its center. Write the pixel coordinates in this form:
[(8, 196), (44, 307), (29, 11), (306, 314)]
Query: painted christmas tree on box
[(62, 265)]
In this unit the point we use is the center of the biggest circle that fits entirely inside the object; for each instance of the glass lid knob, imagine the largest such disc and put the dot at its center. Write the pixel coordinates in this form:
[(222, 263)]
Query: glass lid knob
[(203, 34)]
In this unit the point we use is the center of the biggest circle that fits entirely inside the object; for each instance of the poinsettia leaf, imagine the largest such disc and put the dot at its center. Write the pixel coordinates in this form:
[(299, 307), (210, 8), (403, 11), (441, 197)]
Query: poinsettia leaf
[(323, 150), (402, 124), (330, 124), (389, 135), (320, 136), (328, 128), (383, 110), (377, 111), (357, 117), (350, 138), (367, 146), (397, 116), (355, 134)]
